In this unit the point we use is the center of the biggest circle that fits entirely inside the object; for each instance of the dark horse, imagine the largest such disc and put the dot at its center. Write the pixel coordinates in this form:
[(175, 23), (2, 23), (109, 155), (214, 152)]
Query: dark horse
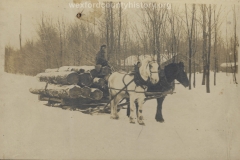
[(167, 76)]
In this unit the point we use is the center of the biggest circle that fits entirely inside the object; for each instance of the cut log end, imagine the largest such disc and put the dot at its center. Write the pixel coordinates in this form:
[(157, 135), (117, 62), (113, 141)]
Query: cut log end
[(73, 78), (86, 91), (75, 92), (85, 79), (96, 94)]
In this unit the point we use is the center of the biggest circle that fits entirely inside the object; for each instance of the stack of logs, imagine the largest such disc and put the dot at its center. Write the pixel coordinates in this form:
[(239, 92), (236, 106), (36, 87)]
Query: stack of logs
[(73, 82)]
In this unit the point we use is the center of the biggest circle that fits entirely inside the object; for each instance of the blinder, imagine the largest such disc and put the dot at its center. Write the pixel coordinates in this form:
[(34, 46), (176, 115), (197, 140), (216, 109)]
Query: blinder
[(149, 63)]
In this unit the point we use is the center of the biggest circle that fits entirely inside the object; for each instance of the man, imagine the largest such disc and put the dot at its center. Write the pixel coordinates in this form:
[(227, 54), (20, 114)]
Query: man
[(101, 57)]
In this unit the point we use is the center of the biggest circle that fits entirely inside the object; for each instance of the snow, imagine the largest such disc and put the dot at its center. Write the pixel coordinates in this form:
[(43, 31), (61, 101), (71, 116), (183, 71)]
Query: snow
[(198, 125), (224, 65)]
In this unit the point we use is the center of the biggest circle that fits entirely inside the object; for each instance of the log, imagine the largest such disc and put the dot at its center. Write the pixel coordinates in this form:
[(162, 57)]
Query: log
[(86, 91), (65, 68), (93, 73), (51, 70), (44, 98), (65, 78), (59, 91), (85, 79), (99, 82), (81, 69), (96, 94), (105, 71)]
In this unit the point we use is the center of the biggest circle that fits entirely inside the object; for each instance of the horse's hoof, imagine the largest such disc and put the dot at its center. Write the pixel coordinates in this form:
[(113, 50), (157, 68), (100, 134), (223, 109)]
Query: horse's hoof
[(114, 117), (132, 120), (140, 118), (141, 122), (160, 120)]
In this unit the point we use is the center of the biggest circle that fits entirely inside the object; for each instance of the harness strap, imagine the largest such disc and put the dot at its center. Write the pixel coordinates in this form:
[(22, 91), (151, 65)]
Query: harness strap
[(139, 81), (125, 83), (118, 93)]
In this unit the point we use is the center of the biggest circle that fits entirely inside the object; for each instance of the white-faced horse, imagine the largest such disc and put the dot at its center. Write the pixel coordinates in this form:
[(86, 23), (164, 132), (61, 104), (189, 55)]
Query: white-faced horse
[(132, 86)]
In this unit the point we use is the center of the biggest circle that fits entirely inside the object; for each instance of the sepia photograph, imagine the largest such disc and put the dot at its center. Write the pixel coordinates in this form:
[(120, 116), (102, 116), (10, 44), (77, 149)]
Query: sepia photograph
[(95, 79)]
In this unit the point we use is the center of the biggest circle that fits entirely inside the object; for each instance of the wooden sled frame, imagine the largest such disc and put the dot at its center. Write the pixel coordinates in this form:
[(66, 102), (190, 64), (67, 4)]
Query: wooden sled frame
[(94, 106)]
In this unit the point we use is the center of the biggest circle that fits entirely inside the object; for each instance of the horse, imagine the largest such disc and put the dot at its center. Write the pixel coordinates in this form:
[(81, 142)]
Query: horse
[(132, 86), (167, 76)]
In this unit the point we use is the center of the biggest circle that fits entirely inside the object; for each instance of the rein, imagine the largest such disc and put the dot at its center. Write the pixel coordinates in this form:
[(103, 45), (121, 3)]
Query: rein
[(139, 81)]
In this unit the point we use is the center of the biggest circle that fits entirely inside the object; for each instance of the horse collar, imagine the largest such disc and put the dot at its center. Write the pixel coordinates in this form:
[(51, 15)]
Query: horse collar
[(139, 81)]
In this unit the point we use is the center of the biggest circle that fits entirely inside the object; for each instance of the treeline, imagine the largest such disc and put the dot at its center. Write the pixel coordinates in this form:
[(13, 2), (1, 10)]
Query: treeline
[(190, 33), (57, 45)]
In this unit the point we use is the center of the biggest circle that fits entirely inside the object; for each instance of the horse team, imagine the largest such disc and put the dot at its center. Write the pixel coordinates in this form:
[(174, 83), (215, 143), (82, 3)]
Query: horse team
[(147, 77)]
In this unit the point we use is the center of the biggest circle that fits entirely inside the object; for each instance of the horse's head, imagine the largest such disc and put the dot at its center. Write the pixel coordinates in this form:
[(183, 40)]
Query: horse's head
[(176, 71), (149, 70), (182, 75)]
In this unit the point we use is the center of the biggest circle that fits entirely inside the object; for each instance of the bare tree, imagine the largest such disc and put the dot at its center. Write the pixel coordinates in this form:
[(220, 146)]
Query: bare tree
[(235, 44), (157, 18), (209, 49), (190, 29), (204, 48), (20, 34)]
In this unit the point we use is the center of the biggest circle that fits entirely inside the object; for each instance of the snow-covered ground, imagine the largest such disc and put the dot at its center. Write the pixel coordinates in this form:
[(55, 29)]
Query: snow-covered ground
[(197, 125)]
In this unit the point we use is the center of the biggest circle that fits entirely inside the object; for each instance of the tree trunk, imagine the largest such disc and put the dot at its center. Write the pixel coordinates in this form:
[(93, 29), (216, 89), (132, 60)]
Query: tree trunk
[(119, 34), (112, 41), (64, 78), (190, 64), (194, 74), (209, 52), (215, 47), (190, 29), (234, 47), (204, 43), (59, 91)]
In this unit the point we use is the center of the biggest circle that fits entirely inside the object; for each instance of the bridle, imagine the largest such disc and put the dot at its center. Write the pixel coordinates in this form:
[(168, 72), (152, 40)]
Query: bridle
[(150, 62)]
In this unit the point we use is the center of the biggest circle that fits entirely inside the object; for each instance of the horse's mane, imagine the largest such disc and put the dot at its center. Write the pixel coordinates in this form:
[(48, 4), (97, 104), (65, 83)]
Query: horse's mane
[(170, 70), (146, 60)]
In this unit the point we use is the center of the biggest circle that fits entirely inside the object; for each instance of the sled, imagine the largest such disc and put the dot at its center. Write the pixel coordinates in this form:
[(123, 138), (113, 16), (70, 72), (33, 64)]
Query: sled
[(94, 106)]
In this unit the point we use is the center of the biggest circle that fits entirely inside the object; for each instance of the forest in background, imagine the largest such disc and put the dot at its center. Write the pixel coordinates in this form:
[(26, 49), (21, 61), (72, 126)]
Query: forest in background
[(190, 32)]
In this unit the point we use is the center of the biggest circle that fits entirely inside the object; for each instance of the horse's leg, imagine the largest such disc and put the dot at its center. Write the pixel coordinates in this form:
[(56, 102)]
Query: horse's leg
[(139, 111), (115, 102), (136, 104), (159, 116), (128, 107), (112, 107), (132, 108)]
